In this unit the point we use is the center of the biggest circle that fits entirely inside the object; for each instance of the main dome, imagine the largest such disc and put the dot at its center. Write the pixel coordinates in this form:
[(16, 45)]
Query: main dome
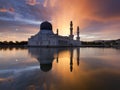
[(46, 26)]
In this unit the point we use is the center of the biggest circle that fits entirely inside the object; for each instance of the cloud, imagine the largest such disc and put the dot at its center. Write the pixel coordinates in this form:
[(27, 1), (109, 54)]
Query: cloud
[(11, 10), (32, 2), (88, 9), (3, 10), (102, 9), (50, 3), (16, 30), (93, 16)]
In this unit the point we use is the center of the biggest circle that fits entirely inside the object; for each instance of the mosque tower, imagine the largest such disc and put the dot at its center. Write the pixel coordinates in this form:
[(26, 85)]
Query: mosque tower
[(71, 30), (78, 34)]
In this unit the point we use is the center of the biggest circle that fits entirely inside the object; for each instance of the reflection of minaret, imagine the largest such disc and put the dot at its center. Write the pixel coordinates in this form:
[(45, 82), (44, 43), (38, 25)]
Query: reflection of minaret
[(57, 56), (78, 56), (71, 30), (78, 34), (57, 32), (71, 59)]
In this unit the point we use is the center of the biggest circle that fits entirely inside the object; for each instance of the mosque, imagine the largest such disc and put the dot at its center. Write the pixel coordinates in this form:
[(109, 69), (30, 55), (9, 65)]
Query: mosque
[(46, 37)]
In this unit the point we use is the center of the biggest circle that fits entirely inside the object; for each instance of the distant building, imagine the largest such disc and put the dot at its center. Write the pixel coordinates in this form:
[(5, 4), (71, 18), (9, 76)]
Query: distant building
[(118, 41), (46, 37)]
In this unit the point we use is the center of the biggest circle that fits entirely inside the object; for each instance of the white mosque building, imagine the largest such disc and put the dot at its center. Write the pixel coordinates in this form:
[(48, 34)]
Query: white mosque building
[(46, 37)]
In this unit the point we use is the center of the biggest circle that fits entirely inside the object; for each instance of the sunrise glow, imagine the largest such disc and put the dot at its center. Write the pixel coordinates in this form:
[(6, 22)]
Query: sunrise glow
[(97, 19)]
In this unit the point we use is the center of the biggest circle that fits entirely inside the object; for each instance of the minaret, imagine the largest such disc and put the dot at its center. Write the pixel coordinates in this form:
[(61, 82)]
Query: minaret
[(57, 32), (71, 30), (78, 34)]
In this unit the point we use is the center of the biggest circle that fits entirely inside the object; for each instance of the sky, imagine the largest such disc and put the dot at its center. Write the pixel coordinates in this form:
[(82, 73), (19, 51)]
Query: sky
[(97, 19)]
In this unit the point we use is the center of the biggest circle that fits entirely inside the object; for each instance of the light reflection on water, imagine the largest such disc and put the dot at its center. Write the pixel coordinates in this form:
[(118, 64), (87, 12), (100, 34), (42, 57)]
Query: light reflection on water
[(59, 69)]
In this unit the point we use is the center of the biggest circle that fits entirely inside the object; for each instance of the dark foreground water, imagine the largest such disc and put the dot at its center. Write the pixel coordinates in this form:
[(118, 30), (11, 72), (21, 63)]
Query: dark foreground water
[(60, 69)]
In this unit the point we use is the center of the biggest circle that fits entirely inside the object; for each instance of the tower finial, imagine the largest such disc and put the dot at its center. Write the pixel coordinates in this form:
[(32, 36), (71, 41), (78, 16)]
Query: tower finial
[(71, 24)]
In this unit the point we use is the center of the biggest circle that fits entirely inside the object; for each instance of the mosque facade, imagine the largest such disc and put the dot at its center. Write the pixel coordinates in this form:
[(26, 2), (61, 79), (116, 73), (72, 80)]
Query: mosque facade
[(46, 37)]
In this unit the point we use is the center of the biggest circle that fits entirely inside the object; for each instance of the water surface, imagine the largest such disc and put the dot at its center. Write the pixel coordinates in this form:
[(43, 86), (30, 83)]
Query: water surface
[(59, 69)]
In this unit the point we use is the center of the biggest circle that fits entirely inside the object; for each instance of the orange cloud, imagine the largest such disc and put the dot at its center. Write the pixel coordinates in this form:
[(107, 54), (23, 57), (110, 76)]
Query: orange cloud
[(3, 10), (82, 11), (32, 2), (49, 3), (11, 10)]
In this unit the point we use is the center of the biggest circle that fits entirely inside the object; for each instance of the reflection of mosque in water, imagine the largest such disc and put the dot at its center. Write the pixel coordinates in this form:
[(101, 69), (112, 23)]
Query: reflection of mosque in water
[(45, 56)]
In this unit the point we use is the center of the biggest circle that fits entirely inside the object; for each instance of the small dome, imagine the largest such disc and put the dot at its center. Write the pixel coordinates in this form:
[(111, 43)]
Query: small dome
[(46, 26)]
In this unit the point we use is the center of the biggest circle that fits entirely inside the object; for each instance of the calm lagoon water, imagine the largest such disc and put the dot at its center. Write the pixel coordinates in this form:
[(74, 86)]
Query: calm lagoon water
[(59, 69)]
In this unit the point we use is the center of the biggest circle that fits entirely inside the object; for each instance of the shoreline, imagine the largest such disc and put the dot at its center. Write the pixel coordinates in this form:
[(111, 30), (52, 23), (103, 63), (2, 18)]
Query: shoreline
[(82, 46)]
